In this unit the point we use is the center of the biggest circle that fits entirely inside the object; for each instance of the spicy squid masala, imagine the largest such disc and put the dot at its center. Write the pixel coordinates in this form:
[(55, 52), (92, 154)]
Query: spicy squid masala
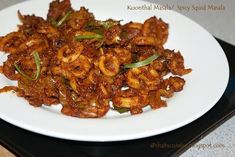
[(90, 66)]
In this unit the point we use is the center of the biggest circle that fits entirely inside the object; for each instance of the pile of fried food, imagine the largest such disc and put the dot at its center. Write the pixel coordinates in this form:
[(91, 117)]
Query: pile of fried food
[(90, 66)]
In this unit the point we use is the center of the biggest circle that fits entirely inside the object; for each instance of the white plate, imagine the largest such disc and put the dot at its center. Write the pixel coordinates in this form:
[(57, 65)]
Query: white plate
[(204, 86)]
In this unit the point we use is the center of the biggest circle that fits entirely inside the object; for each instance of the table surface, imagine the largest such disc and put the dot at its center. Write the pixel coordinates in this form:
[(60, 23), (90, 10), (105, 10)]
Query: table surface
[(221, 141)]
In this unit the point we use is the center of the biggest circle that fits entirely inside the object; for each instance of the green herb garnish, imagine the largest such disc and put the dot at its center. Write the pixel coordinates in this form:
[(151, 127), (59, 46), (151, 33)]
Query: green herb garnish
[(122, 110), (37, 62), (94, 36), (61, 21), (142, 63), (108, 23)]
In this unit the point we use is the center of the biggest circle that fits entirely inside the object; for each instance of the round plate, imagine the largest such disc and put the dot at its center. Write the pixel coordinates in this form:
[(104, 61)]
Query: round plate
[(204, 86)]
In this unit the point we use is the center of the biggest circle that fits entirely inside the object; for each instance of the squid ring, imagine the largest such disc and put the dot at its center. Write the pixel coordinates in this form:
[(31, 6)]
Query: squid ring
[(144, 41), (10, 38), (81, 66), (109, 65), (72, 57), (132, 80)]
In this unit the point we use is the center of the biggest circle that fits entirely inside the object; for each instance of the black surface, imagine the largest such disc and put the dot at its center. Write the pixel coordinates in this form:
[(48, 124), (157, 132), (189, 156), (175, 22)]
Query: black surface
[(25, 143)]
